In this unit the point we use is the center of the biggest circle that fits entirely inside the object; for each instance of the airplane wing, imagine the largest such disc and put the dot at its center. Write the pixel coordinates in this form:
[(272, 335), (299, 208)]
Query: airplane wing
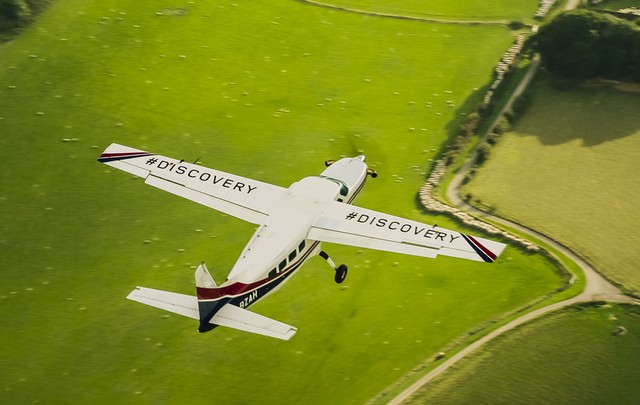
[(247, 199), (229, 315), (351, 225)]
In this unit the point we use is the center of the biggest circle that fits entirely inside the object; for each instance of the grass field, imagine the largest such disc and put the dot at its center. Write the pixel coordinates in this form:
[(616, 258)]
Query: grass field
[(576, 356), (617, 4), (265, 91), (569, 169), (447, 10)]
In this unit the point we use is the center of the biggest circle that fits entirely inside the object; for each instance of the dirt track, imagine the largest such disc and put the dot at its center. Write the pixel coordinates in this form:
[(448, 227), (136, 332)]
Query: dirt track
[(404, 17), (597, 288)]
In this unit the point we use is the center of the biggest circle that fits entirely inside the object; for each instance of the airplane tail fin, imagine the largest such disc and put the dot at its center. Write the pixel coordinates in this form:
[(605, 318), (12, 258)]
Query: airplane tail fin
[(206, 309), (203, 277), (212, 312), (220, 312)]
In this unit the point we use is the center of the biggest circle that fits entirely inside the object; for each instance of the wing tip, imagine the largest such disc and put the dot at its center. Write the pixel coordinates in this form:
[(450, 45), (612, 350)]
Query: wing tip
[(116, 151), (485, 253)]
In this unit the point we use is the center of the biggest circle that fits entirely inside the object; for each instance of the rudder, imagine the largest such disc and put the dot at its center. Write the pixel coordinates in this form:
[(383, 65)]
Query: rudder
[(206, 309)]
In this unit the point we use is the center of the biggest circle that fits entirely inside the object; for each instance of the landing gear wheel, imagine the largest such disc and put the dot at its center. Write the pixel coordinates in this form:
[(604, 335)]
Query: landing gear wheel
[(341, 273)]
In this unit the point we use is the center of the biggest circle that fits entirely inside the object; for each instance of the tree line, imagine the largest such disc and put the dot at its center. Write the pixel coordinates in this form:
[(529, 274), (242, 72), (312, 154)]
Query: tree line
[(585, 44), (15, 13)]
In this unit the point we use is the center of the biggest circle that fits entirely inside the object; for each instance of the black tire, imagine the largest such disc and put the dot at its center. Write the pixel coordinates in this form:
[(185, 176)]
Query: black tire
[(341, 274)]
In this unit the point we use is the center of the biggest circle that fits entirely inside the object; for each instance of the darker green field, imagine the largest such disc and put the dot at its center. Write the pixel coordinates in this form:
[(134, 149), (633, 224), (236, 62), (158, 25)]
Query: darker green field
[(615, 5), (569, 170), (582, 355), (265, 91)]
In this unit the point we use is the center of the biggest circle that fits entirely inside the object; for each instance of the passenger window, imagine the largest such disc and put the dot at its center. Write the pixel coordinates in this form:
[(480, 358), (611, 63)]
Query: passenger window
[(301, 246), (282, 265), (292, 255), (273, 273)]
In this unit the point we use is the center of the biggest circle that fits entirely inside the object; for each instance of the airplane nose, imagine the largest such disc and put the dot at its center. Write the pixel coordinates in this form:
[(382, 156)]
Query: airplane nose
[(361, 158)]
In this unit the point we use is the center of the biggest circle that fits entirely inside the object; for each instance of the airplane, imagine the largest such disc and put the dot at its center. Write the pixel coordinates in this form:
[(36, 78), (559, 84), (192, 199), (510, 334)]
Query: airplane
[(291, 225)]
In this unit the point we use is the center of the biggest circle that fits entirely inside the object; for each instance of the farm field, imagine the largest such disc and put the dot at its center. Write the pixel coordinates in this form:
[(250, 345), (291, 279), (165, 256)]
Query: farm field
[(575, 356), (447, 10), (569, 170), (262, 90), (615, 5)]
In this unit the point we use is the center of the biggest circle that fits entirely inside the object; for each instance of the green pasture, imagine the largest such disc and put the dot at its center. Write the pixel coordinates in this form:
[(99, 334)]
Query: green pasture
[(575, 356), (267, 91), (569, 169), (473, 10), (615, 5)]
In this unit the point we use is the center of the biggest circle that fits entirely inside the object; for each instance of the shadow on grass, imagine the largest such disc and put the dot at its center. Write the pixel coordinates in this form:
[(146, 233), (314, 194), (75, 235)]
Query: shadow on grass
[(469, 106), (453, 129), (563, 112)]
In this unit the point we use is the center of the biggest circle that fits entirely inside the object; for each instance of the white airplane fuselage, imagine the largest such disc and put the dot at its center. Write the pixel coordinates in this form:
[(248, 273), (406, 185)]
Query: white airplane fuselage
[(279, 247)]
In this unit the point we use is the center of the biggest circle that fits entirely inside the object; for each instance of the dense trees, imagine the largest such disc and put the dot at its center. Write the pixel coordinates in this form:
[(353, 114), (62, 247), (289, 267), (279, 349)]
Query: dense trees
[(584, 44), (15, 11), (18, 13)]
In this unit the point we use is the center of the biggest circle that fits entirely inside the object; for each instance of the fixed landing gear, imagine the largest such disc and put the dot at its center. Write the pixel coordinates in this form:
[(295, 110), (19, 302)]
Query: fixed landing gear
[(341, 271)]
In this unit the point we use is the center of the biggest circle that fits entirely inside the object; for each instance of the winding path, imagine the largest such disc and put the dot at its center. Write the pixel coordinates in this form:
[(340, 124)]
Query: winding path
[(571, 4), (402, 16), (597, 288)]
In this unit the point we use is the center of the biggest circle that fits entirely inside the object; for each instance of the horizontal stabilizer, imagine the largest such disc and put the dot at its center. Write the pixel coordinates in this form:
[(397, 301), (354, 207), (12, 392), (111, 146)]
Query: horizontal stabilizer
[(229, 315), (235, 317), (181, 304)]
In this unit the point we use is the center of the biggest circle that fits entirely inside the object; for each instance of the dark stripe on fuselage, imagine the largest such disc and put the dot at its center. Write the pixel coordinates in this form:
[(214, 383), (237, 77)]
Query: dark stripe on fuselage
[(211, 307), (357, 191), (239, 291)]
